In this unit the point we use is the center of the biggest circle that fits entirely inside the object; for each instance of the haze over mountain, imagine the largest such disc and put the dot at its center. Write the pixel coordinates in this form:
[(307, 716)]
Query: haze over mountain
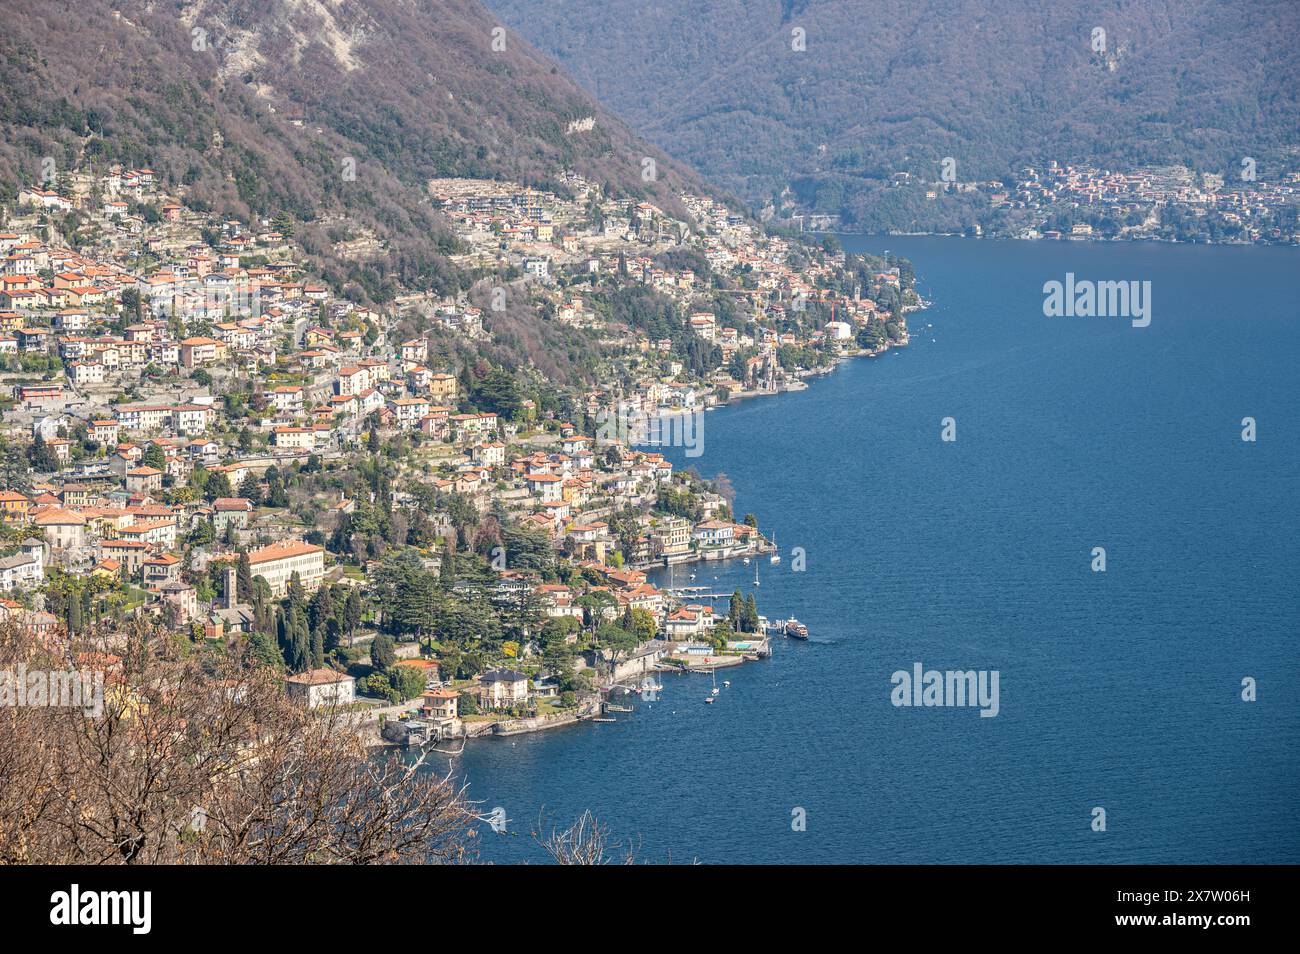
[(254, 106), (888, 86)]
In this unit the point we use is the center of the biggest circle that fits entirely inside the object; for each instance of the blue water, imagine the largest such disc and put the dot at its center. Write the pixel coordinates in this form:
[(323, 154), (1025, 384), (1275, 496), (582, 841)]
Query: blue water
[(1119, 690)]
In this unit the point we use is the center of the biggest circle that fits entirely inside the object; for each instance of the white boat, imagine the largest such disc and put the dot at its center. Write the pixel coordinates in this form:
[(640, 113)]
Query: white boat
[(795, 629), (776, 557), (746, 561), (726, 683)]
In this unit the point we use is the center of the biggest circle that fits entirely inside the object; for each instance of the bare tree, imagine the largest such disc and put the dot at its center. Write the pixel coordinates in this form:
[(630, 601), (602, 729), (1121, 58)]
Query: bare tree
[(586, 842), (196, 759)]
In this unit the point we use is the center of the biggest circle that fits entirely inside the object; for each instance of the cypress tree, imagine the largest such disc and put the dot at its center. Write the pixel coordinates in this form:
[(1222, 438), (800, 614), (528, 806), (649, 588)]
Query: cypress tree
[(447, 572), (244, 577), (352, 613), (296, 595), (302, 655), (321, 609)]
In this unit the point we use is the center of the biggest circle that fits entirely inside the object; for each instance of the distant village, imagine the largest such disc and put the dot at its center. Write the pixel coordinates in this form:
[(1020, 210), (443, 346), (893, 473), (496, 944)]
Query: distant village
[(199, 431), (1071, 202), (1136, 203)]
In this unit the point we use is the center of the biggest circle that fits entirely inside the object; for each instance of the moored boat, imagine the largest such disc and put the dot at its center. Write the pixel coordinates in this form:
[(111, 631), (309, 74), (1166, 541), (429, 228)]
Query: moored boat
[(795, 629)]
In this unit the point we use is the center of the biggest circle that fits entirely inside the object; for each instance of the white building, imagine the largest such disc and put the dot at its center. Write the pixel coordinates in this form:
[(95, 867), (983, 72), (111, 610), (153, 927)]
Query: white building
[(278, 563), (322, 687)]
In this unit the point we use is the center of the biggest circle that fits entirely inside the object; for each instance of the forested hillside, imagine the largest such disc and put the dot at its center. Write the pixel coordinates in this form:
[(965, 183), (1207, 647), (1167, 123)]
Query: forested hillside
[(888, 86)]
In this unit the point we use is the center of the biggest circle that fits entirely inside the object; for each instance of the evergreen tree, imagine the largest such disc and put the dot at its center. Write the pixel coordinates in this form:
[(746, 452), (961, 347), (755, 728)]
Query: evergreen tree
[(320, 610), (318, 648), (251, 488), (295, 594), (352, 613), (263, 651), (298, 655), (382, 652), (276, 493), (244, 577), (340, 540), (43, 457), (217, 485), (154, 457), (283, 636)]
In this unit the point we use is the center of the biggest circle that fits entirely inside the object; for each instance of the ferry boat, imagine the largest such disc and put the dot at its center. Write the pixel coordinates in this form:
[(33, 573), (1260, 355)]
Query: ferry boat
[(795, 629)]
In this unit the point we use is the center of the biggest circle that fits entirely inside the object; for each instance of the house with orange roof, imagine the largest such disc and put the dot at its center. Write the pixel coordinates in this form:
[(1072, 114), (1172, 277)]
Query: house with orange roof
[(14, 506), (144, 480), (198, 351), (63, 529)]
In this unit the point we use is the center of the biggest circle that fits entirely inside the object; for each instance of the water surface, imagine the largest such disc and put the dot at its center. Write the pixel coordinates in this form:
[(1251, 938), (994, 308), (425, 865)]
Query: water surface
[(1119, 690)]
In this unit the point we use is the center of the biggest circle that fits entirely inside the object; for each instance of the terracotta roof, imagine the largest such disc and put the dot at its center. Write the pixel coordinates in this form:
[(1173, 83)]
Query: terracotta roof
[(281, 550), (319, 677)]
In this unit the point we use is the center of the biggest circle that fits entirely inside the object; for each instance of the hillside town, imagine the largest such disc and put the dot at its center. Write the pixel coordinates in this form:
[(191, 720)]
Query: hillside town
[(199, 430), (1170, 201), (1080, 202)]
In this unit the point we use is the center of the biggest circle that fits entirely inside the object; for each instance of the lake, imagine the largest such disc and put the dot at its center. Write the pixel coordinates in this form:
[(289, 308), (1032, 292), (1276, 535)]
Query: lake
[(1118, 690)]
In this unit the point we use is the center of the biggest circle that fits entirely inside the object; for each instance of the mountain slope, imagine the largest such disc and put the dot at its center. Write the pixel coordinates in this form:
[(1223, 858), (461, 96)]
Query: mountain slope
[(256, 106), (896, 85)]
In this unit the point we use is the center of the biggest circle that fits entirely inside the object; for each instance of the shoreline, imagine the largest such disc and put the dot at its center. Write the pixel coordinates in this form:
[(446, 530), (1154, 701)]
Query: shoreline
[(595, 708), (1152, 239), (373, 729)]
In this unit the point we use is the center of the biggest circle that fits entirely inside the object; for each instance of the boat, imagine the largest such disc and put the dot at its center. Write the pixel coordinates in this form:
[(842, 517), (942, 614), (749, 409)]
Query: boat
[(726, 683), (776, 557), (708, 700), (746, 561), (714, 691), (795, 629)]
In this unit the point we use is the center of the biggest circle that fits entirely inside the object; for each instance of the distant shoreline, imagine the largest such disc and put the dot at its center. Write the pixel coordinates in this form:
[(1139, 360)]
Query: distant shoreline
[(999, 237)]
